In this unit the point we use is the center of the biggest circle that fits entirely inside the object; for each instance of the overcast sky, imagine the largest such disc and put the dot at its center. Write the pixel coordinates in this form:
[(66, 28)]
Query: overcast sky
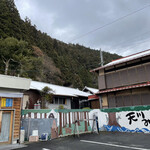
[(72, 21)]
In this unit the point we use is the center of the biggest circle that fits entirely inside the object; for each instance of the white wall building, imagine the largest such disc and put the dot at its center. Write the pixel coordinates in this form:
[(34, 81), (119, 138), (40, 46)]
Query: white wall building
[(68, 97)]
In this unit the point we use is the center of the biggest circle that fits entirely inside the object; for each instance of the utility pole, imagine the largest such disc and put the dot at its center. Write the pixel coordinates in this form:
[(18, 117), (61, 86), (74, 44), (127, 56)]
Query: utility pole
[(101, 56), (102, 63)]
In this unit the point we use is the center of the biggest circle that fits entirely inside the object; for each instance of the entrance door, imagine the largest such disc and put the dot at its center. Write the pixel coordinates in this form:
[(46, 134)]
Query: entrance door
[(6, 127)]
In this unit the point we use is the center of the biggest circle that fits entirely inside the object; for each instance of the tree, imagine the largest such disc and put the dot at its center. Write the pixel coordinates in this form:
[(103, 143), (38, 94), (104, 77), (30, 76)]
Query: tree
[(13, 50), (8, 47), (67, 58), (47, 96), (19, 55), (10, 21), (77, 82)]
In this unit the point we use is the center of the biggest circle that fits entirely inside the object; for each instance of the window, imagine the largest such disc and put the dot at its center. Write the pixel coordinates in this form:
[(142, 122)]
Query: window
[(59, 100), (6, 102), (56, 101)]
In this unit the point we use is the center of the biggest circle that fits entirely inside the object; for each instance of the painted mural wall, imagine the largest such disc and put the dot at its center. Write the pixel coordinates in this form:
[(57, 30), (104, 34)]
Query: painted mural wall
[(128, 119), (67, 122)]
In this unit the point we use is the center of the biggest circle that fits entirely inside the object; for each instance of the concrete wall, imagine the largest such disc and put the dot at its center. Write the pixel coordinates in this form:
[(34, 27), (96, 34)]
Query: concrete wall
[(42, 125), (125, 119), (65, 120), (25, 101)]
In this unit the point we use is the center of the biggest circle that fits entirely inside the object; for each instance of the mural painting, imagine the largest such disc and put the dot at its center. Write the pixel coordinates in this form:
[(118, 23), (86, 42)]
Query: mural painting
[(135, 120), (64, 121), (69, 122)]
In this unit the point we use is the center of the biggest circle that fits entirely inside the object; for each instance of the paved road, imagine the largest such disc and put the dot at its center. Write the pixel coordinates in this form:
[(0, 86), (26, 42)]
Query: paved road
[(103, 141)]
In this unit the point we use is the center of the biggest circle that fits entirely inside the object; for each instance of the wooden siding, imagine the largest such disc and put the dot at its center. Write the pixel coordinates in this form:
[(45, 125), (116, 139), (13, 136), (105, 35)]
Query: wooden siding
[(104, 101), (17, 107), (101, 81), (95, 104), (0, 120), (134, 97), (126, 76)]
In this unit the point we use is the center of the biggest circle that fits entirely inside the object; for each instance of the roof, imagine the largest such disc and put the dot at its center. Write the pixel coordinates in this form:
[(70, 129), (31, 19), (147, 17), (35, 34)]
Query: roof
[(125, 59), (58, 90), (93, 97), (124, 88), (92, 90)]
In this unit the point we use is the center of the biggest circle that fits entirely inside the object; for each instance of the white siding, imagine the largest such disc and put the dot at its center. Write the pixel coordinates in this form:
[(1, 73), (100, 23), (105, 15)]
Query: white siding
[(55, 106)]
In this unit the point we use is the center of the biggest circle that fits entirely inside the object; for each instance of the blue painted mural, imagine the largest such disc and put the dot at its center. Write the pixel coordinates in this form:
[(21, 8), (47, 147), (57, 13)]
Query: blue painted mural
[(123, 129)]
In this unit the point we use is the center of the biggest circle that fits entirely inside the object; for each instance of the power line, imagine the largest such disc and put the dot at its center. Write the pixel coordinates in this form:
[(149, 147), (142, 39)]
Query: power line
[(114, 21), (117, 45), (137, 44)]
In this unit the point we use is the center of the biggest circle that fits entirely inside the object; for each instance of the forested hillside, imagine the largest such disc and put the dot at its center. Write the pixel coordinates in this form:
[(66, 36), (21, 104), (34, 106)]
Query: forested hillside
[(27, 52)]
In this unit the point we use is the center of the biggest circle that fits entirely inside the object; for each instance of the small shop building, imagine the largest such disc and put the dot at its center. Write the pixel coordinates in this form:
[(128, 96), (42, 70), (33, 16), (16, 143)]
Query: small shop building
[(11, 95)]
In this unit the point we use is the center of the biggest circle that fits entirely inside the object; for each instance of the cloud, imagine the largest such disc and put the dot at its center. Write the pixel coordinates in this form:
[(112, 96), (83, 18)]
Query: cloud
[(69, 19)]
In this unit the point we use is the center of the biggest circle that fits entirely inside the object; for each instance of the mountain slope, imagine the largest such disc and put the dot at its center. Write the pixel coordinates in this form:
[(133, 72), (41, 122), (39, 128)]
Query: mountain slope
[(63, 64)]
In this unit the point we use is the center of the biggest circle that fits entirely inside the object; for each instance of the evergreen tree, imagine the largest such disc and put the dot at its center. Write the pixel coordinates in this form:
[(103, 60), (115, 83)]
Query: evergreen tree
[(12, 50), (10, 21), (47, 96), (72, 60)]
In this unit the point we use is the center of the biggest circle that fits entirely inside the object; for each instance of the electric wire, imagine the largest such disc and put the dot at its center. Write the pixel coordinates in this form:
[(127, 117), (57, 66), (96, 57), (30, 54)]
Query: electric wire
[(137, 44), (125, 41), (110, 23)]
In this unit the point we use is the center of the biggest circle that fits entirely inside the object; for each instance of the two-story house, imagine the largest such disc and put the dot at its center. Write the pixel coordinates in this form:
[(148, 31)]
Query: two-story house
[(126, 81)]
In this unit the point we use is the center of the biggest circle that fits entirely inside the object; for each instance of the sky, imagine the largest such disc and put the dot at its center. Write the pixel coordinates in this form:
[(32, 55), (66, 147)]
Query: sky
[(115, 26)]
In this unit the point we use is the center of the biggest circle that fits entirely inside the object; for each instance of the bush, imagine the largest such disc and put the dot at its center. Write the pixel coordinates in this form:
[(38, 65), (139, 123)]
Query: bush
[(86, 108), (61, 107)]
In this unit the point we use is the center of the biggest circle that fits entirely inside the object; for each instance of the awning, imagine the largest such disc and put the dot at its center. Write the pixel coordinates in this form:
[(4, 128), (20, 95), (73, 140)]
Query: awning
[(12, 95)]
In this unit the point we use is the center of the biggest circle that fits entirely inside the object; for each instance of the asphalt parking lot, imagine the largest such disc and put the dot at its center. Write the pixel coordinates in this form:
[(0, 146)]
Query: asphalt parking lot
[(102, 141)]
